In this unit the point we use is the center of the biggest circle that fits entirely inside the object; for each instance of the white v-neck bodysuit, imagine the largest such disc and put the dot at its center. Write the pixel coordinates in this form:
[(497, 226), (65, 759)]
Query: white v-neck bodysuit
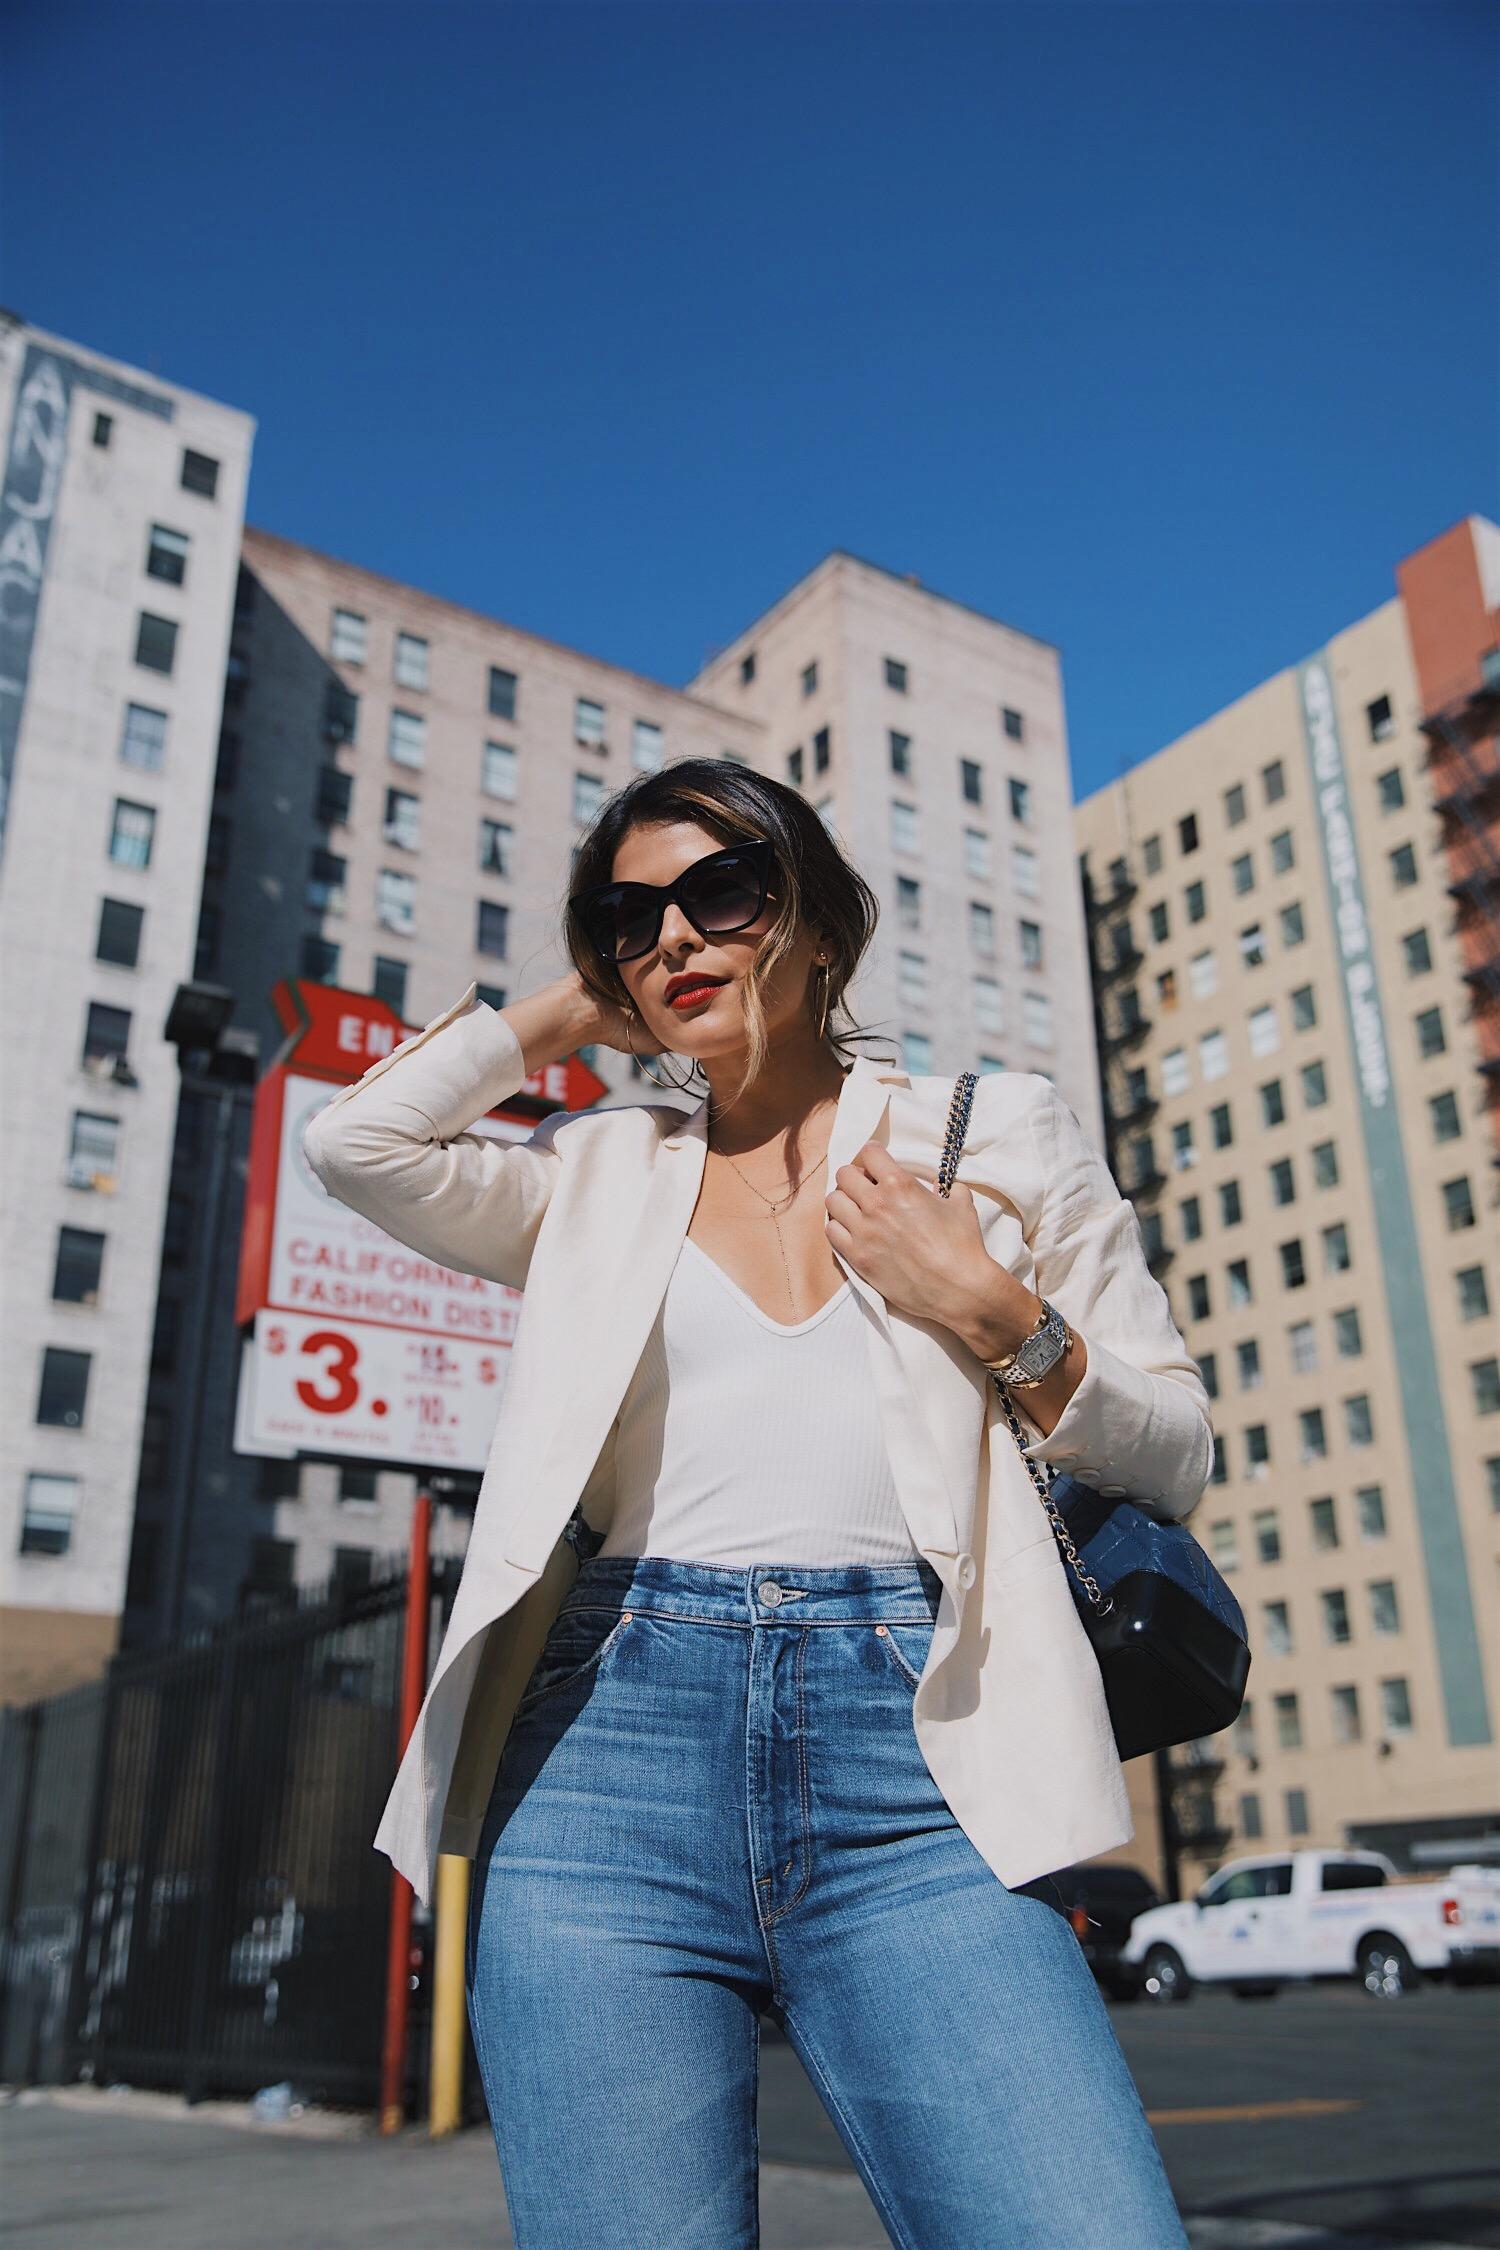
[(742, 1439)]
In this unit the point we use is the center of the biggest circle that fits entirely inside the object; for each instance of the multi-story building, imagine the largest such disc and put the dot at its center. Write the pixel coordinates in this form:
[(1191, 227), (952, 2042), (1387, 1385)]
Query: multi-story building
[(120, 520), (933, 740), (400, 786), (1296, 1003)]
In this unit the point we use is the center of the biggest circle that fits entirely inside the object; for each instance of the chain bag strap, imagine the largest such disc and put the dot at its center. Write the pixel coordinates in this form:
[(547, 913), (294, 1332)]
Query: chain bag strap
[(1041, 1473)]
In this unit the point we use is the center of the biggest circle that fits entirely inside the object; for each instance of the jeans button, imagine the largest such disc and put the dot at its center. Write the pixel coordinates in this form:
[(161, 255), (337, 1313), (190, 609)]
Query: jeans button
[(770, 1593)]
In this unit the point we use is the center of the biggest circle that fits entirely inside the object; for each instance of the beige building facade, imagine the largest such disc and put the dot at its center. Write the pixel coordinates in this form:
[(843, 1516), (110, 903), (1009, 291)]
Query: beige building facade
[(120, 517), (1294, 1042)]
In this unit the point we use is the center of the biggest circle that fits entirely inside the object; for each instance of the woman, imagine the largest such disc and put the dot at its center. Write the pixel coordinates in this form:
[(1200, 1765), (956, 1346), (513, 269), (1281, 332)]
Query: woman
[(798, 1717)]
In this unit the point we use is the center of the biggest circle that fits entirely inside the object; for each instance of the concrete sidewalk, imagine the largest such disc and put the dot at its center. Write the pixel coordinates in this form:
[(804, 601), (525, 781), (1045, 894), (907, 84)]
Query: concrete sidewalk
[(126, 2170)]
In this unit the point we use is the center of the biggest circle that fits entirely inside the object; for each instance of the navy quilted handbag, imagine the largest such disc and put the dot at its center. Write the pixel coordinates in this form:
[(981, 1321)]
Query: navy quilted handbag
[(1168, 1633)]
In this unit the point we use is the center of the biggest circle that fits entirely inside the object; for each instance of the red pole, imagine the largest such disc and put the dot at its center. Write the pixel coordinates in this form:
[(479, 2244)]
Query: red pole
[(398, 1950)]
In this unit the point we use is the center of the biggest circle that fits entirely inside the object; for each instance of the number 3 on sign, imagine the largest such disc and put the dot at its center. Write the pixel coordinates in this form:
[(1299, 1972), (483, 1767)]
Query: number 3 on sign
[(337, 1371)]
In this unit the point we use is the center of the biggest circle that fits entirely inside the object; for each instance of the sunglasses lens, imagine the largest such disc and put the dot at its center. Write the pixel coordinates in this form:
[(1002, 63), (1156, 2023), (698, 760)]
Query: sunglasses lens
[(725, 894), (625, 925)]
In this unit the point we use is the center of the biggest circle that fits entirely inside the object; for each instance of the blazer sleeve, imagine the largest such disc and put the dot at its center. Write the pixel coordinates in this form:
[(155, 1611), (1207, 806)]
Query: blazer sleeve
[(395, 1148), (1139, 1421)]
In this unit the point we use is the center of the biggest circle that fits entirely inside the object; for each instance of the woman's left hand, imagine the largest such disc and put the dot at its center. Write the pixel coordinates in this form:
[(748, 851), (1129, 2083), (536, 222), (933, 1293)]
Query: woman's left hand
[(924, 1252)]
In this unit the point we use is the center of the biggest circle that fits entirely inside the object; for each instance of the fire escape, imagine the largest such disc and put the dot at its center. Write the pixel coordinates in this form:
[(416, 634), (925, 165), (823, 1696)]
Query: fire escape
[(1463, 761)]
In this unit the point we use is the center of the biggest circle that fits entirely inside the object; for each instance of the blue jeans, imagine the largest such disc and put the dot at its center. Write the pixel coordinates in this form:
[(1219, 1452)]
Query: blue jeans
[(711, 1803)]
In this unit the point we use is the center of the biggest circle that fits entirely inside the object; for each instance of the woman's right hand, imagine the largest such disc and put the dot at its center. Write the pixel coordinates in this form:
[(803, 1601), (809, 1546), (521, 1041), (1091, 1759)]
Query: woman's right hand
[(605, 1024)]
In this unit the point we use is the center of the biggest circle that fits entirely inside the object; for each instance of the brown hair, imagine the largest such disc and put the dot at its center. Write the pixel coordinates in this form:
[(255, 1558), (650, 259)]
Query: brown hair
[(817, 885)]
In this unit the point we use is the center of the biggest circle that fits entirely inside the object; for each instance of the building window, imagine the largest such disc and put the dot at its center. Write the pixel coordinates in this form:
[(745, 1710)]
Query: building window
[(1484, 1375), (1325, 1164), (987, 1004), (1025, 871), (1369, 1506), (1381, 721), (646, 747), (1293, 1269), (747, 669), (496, 838), (502, 693), (1242, 874), (1430, 1036), (1312, 1435), (588, 795), (155, 642), (325, 881), (1344, 1705), (411, 660), (905, 830), (1314, 1085), (1473, 1293), (1335, 1607), (1303, 1340), (1238, 1276), (1395, 1706), (1390, 789), (1278, 1635), (1223, 1542), (64, 1389), (971, 782), (1231, 1211), (48, 1512), (402, 824), (1190, 1212), (1195, 902), (1272, 1103), (103, 427), (1252, 947), (1184, 1154), (1013, 723), (348, 637), (1304, 1008), (1492, 1475), (1020, 800), (93, 1151), (200, 473), (119, 936), (1273, 781), (132, 834), (1336, 1258), (1176, 1071), (1265, 1031), (1458, 1204), (396, 901), (498, 777), (143, 741), (1031, 944), (1250, 1827), (1443, 1112), (1403, 865), (1221, 1124), (76, 1271), (340, 712), (1359, 1422), (1036, 1018), (794, 766), (1213, 1055), (899, 746), (1283, 855), (493, 928), (1234, 805), (1187, 833), (1385, 1608), (1298, 1819), (1417, 950), (1283, 1184), (1208, 1370), (1257, 1464), (981, 929), (1158, 923), (320, 959), (166, 554), (407, 740), (895, 675), (1203, 974), (1219, 1473), (1348, 1341), (1198, 1297), (1324, 1522), (1293, 928), (1151, 855), (389, 983), (588, 722), (106, 1033), (916, 1050), (911, 978), (334, 798)]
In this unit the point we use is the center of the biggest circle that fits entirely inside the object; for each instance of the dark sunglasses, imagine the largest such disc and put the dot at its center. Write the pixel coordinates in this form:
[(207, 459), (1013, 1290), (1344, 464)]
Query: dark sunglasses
[(719, 894)]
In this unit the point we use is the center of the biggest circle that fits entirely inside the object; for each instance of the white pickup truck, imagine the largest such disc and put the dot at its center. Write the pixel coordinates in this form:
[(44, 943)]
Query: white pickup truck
[(1259, 1922)]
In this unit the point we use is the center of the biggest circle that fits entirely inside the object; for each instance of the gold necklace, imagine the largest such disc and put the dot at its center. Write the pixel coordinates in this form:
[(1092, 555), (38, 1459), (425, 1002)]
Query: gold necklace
[(775, 1209)]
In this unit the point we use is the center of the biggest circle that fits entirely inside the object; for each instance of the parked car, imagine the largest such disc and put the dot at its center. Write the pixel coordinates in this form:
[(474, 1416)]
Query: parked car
[(1261, 1922), (1102, 1899)]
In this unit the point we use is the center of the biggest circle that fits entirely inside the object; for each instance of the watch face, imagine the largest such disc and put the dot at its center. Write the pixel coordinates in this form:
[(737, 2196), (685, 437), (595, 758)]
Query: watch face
[(1037, 1354)]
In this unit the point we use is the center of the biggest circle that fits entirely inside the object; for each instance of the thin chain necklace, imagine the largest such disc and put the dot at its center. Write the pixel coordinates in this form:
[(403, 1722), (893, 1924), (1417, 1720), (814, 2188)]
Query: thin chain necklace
[(776, 1209)]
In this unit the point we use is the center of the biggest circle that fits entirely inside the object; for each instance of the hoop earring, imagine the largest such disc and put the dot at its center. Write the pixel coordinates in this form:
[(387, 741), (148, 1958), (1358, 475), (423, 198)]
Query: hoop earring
[(671, 1085), (823, 1004)]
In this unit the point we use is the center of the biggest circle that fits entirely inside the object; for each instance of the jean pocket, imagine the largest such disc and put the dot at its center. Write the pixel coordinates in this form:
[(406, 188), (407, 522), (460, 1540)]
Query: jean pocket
[(577, 1643), (906, 1646)]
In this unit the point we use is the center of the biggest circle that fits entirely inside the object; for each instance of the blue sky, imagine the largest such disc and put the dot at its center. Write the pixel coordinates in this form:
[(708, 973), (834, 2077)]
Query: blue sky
[(1160, 331)]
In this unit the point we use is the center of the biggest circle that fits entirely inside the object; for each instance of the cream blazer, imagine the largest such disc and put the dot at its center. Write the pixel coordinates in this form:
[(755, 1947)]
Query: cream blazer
[(587, 1216)]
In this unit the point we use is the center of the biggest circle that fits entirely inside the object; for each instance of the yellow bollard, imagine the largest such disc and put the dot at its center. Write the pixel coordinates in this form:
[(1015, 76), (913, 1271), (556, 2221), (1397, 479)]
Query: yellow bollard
[(451, 1913)]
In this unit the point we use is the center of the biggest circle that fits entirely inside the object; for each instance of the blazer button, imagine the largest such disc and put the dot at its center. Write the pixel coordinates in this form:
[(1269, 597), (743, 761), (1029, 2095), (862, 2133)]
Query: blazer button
[(966, 1570), (1112, 1491)]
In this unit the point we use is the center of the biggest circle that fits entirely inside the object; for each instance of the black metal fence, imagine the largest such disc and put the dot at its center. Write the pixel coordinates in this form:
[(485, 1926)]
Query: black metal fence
[(189, 1897)]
